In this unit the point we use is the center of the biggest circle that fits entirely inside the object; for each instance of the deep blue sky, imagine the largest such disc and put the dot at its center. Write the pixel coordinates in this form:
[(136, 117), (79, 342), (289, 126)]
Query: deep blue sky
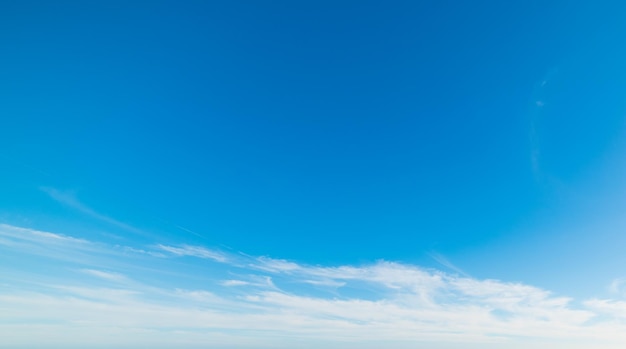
[(323, 132)]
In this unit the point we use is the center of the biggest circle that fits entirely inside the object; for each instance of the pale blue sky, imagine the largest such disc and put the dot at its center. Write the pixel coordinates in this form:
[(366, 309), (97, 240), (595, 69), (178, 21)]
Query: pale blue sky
[(284, 170)]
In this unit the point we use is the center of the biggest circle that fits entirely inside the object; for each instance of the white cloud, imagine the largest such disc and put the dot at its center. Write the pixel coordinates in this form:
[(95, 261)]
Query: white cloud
[(194, 251), (109, 276), (230, 283), (279, 304), (325, 283), (41, 243), (276, 265), (610, 307), (30, 235)]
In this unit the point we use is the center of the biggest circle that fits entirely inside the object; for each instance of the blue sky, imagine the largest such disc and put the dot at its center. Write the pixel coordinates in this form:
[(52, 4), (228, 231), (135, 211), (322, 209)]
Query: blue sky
[(423, 172)]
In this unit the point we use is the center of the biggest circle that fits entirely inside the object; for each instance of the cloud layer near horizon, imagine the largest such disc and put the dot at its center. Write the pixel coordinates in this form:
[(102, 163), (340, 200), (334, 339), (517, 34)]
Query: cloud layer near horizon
[(66, 291)]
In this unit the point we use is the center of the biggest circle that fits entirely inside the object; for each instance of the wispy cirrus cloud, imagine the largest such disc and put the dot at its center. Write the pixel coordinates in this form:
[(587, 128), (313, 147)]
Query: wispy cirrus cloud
[(441, 259), (41, 243), (231, 283), (109, 276), (618, 286), (325, 283), (16, 234), (194, 251), (70, 200), (280, 303)]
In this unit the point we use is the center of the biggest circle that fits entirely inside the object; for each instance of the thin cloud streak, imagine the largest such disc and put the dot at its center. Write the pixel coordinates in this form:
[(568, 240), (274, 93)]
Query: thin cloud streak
[(231, 283), (439, 258), (114, 277), (194, 251), (70, 200)]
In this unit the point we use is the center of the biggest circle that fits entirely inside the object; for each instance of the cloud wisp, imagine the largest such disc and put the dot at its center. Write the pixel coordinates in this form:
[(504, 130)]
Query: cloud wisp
[(252, 302), (70, 200), (194, 251)]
